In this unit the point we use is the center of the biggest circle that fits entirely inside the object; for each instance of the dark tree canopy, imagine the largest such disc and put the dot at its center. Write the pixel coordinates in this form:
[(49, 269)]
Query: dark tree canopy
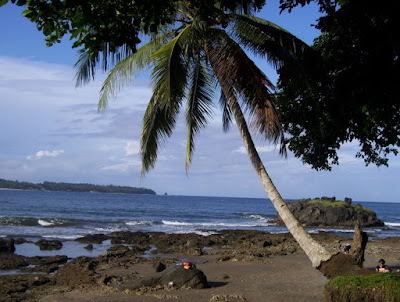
[(102, 28), (352, 92)]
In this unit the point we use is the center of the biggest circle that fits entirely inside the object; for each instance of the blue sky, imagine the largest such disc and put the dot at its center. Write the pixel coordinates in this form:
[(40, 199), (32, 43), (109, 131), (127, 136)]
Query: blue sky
[(52, 130)]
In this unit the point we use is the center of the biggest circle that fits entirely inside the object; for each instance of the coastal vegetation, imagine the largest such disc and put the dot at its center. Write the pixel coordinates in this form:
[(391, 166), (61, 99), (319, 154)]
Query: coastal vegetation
[(71, 187), (342, 101), (339, 203), (374, 287)]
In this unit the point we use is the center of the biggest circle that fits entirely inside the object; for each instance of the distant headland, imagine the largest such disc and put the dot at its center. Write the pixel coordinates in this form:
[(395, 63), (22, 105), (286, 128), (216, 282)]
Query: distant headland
[(71, 187)]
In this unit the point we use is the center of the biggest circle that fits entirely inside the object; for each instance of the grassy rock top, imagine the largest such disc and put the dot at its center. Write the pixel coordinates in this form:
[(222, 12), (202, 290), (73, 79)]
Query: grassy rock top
[(339, 203)]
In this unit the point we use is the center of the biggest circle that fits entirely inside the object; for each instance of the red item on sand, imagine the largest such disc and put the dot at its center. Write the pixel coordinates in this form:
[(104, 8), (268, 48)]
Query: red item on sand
[(187, 265)]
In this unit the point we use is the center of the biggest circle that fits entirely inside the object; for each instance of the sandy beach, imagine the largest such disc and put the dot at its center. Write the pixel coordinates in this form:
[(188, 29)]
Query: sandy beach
[(240, 266)]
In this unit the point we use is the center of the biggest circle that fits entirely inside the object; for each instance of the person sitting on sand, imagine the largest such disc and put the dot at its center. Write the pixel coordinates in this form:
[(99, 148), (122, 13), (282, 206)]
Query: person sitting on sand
[(382, 268)]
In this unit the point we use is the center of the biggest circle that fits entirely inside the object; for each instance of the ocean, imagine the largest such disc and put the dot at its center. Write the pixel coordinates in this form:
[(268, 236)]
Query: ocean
[(69, 215)]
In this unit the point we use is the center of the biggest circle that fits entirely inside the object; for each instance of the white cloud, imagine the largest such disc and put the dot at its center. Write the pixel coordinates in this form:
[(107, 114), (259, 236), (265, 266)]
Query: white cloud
[(45, 153), (263, 149), (124, 165), (132, 148), (33, 70)]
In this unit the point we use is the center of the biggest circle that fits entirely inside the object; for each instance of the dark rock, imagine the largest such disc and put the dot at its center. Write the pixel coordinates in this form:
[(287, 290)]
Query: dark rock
[(117, 251), (12, 261), (178, 277), (21, 241), (7, 245), (337, 214), (48, 260), (45, 264), (79, 273), (95, 238), (267, 243), (49, 245), (89, 247), (126, 237), (159, 267), (348, 200), (14, 287)]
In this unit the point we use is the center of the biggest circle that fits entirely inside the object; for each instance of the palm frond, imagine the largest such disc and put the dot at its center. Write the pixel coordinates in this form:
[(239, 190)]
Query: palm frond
[(199, 104), (169, 75), (125, 70), (226, 112), (85, 69), (158, 124), (245, 81), (271, 41), (89, 61), (169, 78)]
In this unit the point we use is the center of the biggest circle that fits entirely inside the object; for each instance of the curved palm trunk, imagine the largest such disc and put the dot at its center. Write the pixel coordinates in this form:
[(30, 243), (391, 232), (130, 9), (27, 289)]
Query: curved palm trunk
[(315, 252)]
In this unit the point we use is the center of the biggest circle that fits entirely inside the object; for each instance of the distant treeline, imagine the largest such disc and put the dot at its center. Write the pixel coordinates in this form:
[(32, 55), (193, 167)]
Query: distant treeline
[(70, 187)]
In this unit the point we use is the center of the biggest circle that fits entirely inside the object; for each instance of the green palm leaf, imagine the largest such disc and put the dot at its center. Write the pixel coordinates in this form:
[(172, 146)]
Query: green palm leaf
[(169, 77), (125, 70), (158, 124), (199, 104), (85, 69), (226, 112), (88, 61), (169, 74)]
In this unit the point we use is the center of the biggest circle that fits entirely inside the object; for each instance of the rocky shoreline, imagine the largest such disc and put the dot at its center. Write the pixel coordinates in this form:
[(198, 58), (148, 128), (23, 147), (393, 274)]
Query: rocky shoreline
[(132, 263)]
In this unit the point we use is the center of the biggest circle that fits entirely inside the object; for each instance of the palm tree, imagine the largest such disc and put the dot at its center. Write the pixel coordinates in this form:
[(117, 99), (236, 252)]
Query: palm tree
[(193, 59)]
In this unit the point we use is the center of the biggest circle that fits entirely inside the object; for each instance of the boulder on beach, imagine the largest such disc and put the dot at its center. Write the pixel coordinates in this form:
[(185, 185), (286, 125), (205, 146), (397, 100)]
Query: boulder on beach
[(7, 245), (177, 276), (49, 245), (327, 212), (92, 238)]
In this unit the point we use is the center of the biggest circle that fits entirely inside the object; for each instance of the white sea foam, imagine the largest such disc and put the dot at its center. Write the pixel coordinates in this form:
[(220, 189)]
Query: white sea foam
[(316, 231), (66, 237), (138, 223), (213, 224), (256, 217), (45, 223), (111, 229), (395, 224), (166, 222)]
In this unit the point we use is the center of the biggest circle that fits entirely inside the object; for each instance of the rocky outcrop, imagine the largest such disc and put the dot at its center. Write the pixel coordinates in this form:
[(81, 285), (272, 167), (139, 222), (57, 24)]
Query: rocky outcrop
[(177, 276), (7, 245), (79, 273), (92, 238), (327, 212), (49, 245)]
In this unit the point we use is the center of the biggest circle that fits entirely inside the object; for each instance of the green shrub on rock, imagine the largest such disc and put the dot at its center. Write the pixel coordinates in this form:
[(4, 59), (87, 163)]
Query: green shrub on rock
[(369, 288)]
